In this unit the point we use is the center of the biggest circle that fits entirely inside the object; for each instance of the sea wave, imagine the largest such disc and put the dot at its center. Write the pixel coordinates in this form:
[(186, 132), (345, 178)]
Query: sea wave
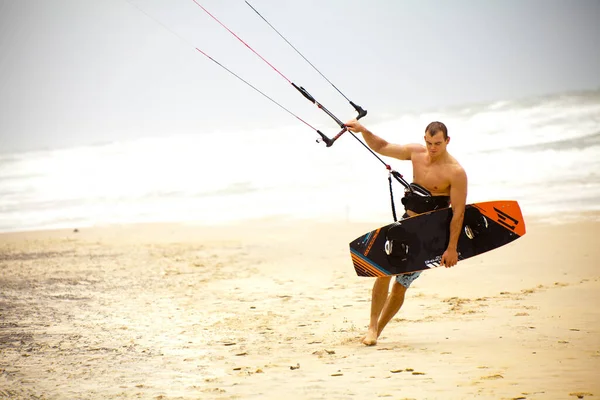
[(543, 152)]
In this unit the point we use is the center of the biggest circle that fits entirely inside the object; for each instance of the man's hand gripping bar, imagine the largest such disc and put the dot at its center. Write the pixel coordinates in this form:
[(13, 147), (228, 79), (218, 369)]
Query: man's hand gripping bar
[(329, 142)]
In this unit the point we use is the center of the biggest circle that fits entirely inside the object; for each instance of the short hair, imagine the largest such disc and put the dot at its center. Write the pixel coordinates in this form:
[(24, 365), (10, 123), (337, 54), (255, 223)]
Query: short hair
[(434, 127)]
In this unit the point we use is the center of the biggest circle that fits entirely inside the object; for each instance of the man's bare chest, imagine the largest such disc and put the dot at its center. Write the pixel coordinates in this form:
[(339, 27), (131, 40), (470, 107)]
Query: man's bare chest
[(434, 178)]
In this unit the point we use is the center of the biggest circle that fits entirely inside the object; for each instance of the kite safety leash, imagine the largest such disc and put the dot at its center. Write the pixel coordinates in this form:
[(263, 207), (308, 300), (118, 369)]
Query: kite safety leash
[(391, 174)]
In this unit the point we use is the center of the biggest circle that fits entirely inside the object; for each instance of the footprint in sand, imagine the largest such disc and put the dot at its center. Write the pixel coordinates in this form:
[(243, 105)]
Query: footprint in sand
[(580, 395), (492, 377)]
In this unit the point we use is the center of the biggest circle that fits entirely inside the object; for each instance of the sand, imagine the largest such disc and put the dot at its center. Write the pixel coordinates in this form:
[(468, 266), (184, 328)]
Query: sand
[(273, 309)]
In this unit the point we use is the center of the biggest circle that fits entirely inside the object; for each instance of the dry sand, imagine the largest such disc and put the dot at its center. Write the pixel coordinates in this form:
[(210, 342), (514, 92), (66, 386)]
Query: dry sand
[(273, 309)]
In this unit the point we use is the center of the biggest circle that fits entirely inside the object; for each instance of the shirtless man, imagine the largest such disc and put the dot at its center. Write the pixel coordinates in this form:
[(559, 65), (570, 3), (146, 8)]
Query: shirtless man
[(438, 172)]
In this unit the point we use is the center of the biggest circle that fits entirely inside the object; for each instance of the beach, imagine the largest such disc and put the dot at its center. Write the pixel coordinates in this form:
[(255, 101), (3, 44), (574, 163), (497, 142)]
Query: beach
[(272, 308), (175, 217)]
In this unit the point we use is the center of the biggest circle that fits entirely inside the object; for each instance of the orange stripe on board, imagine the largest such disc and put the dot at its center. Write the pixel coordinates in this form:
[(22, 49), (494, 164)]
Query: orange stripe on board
[(363, 272), (506, 213), (372, 241), (366, 268), (371, 270), (360, 271)]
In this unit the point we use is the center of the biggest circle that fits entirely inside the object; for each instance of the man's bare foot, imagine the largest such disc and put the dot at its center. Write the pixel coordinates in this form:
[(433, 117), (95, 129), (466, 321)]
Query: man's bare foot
[(370, 339)]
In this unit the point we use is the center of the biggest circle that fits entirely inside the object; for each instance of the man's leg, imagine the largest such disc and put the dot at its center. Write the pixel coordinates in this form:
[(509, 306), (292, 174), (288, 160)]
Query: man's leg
[(392, 306), (378, 300)]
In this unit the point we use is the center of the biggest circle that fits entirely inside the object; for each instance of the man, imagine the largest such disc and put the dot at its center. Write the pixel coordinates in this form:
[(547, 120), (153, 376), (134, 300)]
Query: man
[(435, 170)]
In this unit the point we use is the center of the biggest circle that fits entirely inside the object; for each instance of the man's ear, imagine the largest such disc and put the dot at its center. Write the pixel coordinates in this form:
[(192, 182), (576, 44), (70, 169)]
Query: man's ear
[(448, 140)]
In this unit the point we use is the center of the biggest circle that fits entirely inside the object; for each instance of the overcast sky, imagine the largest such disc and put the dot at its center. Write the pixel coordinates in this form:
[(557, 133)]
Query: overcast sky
[(81, 71)]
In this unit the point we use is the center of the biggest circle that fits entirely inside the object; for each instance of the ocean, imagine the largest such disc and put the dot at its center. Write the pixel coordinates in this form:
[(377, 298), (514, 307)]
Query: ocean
[(543, 152)]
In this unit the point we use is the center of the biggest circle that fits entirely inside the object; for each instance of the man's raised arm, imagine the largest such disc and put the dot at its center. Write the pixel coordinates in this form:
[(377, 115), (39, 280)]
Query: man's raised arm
[(381, 146)]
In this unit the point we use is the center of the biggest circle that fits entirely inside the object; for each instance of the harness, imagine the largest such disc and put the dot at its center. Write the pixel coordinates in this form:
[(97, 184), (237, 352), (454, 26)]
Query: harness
[(419, 200)]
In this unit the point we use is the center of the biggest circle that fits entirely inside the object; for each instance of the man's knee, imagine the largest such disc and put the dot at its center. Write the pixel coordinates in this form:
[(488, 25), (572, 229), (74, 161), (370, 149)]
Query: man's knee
[(398, 289)]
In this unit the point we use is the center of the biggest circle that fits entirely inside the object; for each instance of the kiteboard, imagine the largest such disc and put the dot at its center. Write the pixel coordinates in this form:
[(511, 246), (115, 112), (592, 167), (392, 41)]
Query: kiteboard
[(418, 243)]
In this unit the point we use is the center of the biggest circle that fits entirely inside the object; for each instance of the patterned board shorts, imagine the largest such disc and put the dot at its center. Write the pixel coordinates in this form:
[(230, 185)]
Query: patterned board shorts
[(406, 279)]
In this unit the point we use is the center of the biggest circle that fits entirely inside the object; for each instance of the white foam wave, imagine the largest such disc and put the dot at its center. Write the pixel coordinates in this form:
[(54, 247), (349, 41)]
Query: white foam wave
[(231, 175)]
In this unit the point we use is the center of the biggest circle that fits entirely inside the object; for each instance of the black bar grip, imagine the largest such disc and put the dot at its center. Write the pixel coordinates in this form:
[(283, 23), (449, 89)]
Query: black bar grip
[(329, 142), (325, 139), (304, 93), (361, 111)]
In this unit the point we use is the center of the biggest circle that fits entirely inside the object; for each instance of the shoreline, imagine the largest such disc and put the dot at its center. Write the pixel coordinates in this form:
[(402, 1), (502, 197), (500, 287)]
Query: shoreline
[(535, 219)]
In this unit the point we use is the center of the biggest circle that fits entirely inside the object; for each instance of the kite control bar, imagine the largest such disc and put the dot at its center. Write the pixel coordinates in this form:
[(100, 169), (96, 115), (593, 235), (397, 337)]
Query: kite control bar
[(329, 142)]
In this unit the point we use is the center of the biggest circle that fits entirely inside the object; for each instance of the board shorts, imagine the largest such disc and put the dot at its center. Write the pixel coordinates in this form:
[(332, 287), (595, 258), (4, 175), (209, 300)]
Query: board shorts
[(406, 279)]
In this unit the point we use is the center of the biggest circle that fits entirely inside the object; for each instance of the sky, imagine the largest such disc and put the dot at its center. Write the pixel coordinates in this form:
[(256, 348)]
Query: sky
[(79, 72)]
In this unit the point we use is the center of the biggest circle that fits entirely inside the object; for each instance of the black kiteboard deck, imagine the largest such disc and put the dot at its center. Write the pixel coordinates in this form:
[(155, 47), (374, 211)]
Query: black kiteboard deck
[(417, 243)]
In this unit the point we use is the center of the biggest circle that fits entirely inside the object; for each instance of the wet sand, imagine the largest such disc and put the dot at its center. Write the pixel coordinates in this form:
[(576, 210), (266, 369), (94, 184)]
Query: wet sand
[(273, 309)]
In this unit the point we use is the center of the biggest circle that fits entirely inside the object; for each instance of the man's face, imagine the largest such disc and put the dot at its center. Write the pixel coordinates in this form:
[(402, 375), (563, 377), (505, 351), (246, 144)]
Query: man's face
[(436, 144)]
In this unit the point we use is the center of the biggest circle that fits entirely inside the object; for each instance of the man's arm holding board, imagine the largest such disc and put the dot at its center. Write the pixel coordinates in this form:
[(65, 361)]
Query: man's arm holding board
[(458, 199)]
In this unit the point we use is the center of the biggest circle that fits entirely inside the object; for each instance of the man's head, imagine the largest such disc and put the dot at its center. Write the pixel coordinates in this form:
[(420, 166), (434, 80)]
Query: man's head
[(436, 139)]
